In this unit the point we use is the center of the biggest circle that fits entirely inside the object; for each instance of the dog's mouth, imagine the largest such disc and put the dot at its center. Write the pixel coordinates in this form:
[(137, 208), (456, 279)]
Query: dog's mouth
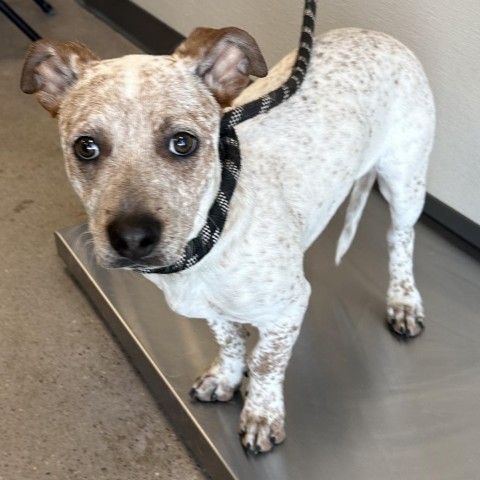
[(111, 260), (127, 264)]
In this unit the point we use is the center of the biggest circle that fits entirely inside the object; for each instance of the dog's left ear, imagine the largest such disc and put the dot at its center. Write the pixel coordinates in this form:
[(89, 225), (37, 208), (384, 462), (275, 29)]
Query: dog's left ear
[(224, 59)]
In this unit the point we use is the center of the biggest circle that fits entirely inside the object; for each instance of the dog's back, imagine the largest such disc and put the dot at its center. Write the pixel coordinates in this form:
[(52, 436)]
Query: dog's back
[(365, 95)]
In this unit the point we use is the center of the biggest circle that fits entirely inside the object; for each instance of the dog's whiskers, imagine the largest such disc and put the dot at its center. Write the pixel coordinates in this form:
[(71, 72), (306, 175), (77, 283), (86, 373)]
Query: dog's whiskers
[(81, 239)]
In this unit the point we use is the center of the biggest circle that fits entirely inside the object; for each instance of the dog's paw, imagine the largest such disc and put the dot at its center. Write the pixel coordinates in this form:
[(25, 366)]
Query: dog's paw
[(259, 434), (406, 320), (213, 386)]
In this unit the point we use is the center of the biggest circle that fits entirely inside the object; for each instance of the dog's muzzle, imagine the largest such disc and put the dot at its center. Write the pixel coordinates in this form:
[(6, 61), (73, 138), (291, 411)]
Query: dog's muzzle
[(134, 236)]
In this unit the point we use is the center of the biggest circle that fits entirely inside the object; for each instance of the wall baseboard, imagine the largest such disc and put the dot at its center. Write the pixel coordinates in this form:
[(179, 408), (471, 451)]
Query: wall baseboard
[(153, 36), (448, 218), (136, 24)]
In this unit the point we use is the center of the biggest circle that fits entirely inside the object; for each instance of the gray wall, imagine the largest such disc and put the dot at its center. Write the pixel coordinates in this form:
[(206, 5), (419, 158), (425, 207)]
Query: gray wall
[(445, 35)]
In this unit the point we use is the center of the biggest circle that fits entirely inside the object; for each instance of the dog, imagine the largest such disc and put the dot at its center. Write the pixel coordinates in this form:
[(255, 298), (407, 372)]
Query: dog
[(140, 139)]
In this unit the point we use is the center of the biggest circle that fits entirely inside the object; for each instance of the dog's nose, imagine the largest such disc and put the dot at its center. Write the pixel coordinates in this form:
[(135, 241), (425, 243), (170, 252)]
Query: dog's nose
[(134, 236)]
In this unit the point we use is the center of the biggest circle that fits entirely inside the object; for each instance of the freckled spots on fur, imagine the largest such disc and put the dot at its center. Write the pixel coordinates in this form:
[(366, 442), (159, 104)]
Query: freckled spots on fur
[(271, 357), (264, 364), (100, 80), (406, 287)]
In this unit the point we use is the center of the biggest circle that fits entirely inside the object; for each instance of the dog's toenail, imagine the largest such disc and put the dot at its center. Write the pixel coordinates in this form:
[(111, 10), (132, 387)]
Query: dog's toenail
[(246, 448), (214, 397), (193, 393)]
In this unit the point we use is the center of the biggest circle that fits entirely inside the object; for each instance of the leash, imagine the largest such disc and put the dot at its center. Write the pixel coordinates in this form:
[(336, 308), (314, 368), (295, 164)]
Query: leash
[(229, 150)]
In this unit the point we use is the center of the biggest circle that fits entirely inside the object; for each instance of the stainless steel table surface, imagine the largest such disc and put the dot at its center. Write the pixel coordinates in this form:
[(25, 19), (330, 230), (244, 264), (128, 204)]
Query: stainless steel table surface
[(361, 404)]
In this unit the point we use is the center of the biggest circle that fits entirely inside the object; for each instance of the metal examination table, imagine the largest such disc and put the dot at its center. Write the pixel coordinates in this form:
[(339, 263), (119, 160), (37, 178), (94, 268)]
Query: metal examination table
[(361, 404)]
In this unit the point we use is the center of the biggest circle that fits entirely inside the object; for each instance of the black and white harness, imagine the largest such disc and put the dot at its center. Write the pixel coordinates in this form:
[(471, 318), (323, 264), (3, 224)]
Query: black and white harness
[(229, 151)]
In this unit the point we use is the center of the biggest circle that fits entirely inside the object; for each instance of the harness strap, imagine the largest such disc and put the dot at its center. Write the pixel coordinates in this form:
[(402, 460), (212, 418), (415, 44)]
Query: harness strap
[(229, 150)]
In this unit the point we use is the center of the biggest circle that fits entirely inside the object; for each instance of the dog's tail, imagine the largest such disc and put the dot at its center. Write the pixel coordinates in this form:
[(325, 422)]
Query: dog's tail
[(358, 199)]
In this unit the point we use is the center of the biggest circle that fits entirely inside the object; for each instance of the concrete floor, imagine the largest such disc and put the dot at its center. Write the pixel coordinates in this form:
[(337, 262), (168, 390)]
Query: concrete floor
[(71, 405)]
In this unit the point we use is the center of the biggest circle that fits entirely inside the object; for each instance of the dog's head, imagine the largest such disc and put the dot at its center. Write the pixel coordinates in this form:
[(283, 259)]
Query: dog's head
[(140, 135)]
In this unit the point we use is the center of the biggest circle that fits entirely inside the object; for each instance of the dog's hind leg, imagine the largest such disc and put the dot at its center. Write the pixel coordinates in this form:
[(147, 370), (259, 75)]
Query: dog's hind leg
[(224, 376), (401, 178), (401, 174)]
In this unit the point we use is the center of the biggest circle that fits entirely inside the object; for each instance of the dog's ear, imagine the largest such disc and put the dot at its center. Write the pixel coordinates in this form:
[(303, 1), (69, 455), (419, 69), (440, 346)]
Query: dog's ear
[(51, 68), (224, 59)]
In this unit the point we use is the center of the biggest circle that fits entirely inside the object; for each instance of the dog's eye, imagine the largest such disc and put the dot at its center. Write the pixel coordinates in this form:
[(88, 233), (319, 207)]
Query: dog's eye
[(183, 144), (86, 149)]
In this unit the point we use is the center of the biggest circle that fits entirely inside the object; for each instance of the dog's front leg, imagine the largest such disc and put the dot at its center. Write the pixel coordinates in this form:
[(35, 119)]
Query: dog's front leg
[(224, 376), (262, 422)]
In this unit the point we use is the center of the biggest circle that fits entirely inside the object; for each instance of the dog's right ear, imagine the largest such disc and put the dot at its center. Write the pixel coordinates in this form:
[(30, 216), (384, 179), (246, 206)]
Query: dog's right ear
[(224, 59), (51, 68)]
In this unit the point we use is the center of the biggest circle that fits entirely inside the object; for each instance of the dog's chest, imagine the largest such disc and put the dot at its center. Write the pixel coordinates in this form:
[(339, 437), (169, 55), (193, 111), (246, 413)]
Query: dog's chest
[(203, 296), (184, 296), (241, 281)]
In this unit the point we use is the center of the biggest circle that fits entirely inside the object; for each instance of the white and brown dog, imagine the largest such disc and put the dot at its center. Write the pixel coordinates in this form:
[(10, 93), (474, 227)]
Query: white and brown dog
[(140, 139)]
